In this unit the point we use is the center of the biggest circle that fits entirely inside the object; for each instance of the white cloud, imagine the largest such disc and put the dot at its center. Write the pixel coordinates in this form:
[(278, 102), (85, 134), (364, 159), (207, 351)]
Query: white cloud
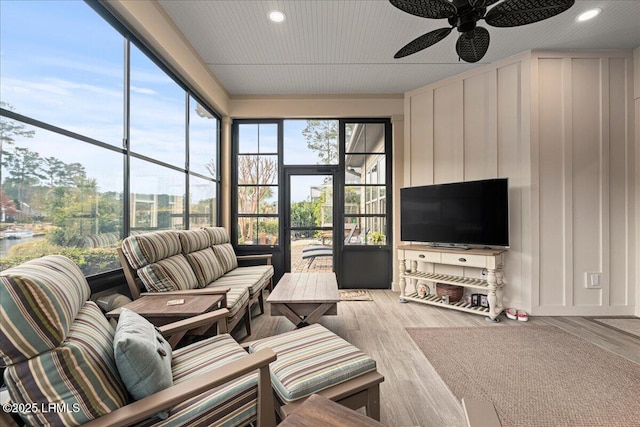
[(143, 91)]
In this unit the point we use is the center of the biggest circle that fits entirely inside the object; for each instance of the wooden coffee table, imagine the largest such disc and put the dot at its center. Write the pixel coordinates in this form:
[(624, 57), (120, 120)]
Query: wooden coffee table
[(318, 411), (304, 297), (154, 308)]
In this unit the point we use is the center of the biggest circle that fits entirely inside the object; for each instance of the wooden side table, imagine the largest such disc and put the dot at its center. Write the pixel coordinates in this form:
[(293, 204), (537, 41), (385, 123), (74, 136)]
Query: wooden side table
[(154, 308), (318, 411)]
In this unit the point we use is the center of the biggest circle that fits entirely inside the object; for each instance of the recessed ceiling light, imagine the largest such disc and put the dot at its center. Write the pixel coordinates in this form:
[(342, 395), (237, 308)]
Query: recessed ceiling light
[(589, 14), (277, 16)]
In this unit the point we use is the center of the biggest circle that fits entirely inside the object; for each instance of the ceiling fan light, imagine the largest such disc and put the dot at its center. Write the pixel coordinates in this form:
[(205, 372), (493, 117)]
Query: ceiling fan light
[(277, 16), (589, 14)]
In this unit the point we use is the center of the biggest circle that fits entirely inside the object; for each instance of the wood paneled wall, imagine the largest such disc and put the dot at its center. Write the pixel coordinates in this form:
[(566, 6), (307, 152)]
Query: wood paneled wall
[(559, 125)]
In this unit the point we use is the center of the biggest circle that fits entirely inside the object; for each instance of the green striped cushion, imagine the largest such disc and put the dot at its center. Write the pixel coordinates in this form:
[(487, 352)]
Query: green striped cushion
[(226, 255), (265, 272), (40, 299), (236, 297), (144, 249), (81, 374), (233, 404), (254, 282), (312, 359), (194, 240), (218, 235), (205, 265), (171, 274)]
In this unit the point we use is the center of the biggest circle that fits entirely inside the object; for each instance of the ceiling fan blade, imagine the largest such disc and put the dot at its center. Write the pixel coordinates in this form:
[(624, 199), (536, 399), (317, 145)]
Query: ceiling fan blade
[(513, 13), (481, 3), (472, 45), (423, 42), (435, 9)]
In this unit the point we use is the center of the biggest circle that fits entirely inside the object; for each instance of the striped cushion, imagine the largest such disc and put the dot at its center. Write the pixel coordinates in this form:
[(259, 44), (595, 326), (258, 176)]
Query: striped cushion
[(81, 374), (266, 272), (232, 404), (312, 359), (218, 235), (254, 282), (226, 255), (205, 265), (171, 274), (40, 299), (144, 249), (194, 240), (236, 297)]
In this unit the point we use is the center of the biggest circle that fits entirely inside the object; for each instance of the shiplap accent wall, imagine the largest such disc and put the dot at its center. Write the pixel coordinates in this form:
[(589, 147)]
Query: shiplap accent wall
[(559, 125)]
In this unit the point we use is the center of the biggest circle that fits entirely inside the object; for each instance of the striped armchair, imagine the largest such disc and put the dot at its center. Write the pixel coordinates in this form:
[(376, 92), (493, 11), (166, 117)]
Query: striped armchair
[(58, 351)]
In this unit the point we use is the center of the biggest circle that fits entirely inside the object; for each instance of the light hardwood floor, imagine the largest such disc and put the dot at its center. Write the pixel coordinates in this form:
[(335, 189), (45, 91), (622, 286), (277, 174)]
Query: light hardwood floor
[(412, 393)]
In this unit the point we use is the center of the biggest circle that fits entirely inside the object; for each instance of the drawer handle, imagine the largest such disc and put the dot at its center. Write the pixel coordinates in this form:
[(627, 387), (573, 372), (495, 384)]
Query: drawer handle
[(421, 256), (462, 259)]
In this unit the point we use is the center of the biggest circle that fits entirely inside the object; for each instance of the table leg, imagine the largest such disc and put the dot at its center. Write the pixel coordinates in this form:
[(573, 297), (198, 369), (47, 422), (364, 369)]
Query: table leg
[(288, 313), (315, 314)]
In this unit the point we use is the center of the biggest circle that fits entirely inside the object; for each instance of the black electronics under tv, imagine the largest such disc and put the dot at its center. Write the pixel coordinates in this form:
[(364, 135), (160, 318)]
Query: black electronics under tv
[(459, 214)]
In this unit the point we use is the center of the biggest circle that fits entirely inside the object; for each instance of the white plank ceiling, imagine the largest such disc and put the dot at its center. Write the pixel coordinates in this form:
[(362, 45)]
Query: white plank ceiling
[(347, 46)]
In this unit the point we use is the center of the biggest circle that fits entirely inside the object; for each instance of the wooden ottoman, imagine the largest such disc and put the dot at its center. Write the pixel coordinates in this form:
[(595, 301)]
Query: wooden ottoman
[(315, 360)]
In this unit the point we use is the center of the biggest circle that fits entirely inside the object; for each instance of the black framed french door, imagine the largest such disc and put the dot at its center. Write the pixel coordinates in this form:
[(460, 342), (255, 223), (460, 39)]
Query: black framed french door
[(309, 213)]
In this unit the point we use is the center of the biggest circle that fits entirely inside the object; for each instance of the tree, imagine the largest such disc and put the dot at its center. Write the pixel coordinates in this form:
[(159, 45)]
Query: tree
[(54, 171), (7, 207), (256, 172), (322, 137), (24, 171), (211, 168), (9, 129)]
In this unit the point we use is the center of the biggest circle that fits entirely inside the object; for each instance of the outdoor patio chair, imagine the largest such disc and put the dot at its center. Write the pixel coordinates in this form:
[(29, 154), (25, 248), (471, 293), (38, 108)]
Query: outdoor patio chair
[(62, 368), (313, 251)]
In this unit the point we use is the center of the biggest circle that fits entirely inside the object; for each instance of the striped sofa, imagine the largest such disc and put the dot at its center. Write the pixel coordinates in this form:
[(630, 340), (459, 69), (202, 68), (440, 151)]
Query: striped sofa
[(57, 348), (185, 260)]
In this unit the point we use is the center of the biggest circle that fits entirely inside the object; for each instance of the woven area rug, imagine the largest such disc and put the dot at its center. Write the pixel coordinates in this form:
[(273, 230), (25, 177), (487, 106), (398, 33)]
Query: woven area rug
[(355, 295), (535, 375), (628, 326)]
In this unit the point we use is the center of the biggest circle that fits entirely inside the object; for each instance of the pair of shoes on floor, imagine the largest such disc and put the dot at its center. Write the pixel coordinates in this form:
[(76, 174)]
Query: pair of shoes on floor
[(514, 314)]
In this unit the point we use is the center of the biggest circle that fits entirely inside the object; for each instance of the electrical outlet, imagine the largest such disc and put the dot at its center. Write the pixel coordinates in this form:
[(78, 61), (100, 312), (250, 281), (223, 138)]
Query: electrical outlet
[(593, 280)]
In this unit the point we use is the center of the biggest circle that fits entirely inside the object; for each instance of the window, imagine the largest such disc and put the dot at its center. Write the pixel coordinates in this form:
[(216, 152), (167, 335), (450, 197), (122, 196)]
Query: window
[(310, 142), (365, 202), (157, 112), (257, 177), (62, 64), (309, 146), (63, 120)]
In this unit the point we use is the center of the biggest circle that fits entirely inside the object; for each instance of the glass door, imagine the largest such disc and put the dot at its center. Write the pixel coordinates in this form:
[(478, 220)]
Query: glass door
[(309, 215)]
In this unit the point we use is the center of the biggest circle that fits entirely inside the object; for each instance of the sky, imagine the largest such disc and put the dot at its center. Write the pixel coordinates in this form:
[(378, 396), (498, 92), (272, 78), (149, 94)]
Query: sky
[(62, 63)]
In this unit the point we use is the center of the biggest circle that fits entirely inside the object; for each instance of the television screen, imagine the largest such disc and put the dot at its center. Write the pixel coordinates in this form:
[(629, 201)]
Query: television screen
[(472, 213)]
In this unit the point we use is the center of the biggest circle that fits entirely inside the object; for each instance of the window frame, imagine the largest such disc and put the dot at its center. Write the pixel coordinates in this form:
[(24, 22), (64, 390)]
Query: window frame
[(105, 279)]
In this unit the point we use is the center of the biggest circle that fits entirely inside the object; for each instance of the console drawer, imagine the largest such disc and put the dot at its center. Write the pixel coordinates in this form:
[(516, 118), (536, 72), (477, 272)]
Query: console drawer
[(421, 256), (469, 260)]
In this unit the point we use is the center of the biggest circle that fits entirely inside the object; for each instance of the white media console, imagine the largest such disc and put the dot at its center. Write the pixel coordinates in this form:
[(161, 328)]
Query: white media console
[(491, 260)]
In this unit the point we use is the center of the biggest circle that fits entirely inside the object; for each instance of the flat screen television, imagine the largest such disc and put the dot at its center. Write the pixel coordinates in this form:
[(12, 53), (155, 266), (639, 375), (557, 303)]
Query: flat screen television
[(459, 214)]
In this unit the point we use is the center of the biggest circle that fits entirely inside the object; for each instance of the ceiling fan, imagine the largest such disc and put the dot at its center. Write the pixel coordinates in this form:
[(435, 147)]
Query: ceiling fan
[(464, 15)]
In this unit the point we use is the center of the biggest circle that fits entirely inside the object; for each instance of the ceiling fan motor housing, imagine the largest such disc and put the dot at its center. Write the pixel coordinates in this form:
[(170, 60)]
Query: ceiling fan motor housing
[(466, 18)]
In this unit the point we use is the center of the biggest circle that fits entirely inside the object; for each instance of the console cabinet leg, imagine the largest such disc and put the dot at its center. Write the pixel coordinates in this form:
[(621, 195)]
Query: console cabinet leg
[(401, 280), (492, 297)]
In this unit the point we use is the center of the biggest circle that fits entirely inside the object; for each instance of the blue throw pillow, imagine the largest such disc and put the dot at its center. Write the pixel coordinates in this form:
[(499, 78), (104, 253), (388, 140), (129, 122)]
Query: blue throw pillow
[(143, 356)]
